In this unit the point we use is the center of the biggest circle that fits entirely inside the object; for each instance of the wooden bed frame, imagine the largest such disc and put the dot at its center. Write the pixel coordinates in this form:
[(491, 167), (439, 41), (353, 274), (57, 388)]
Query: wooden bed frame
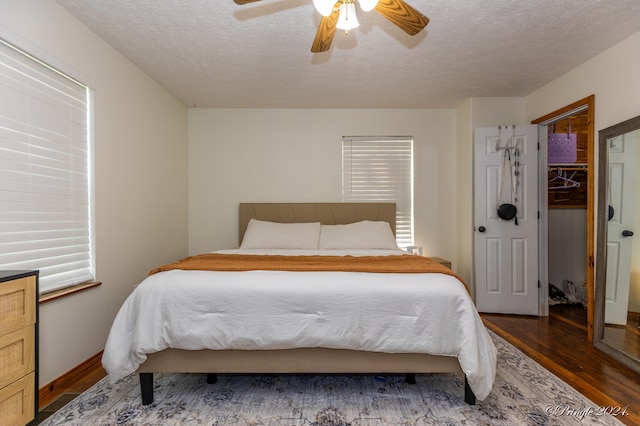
[(306, 360)]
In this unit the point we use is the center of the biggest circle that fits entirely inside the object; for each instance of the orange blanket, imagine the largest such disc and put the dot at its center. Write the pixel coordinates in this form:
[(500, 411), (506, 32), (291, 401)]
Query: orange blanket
[(376, 264)]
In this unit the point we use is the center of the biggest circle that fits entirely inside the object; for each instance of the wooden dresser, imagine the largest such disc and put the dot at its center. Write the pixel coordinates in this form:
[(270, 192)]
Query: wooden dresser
[(18, 347)]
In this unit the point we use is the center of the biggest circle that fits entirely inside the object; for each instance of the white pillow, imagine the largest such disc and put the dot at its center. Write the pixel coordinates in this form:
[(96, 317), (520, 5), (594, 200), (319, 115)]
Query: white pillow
[(359, 235), (271, 235)]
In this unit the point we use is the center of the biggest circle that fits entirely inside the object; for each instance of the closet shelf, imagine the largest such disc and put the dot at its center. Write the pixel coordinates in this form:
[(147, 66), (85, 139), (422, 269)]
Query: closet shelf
[(567, 166)]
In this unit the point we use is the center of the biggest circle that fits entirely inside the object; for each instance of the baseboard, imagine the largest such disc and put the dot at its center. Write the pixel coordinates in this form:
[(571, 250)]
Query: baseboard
[(78, 379)]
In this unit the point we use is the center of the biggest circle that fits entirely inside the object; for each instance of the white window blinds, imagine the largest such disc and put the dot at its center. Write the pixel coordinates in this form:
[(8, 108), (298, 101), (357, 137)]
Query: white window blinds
[(45, 201), (381, 169)]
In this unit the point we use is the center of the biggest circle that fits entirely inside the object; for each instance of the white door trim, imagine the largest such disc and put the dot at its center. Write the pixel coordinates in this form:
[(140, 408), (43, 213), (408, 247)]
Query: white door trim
[(543, 222)]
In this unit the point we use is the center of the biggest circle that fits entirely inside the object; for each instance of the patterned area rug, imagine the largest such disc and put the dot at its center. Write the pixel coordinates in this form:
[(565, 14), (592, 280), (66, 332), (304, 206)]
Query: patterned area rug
[(524, 394)]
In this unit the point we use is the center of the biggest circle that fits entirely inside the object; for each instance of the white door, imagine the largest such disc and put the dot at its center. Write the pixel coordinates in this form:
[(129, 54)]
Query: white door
[(622, 159), (506, 253)]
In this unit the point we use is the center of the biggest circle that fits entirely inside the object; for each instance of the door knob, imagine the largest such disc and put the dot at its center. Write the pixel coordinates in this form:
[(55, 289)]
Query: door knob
[(482, 229), (627, 233)]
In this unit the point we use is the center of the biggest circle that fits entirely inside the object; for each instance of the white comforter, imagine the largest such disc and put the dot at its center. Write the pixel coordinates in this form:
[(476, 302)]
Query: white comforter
[(396, 313)]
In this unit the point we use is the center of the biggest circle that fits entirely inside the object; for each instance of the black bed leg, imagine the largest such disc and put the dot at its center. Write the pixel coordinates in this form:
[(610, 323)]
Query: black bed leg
[(410, 378), (146, 388), (212, 378), (469, 397)]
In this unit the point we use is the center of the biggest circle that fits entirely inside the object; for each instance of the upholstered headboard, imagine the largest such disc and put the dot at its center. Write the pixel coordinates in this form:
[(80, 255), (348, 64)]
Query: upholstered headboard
[(325, 213)]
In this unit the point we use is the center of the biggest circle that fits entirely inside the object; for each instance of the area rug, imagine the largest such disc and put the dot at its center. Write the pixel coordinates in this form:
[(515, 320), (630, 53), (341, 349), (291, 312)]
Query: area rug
[(524, 394)]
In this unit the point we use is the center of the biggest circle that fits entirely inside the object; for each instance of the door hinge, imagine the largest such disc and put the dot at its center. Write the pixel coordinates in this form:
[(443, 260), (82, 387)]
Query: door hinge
[(538, 283), (538, 214), (538, 146)]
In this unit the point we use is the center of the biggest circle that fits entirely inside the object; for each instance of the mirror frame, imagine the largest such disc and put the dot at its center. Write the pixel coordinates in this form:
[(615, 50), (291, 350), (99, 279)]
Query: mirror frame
[(601, 249)]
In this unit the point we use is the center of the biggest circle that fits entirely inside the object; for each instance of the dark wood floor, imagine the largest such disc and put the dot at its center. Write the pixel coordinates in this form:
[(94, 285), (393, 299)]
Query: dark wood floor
[(557, 342)]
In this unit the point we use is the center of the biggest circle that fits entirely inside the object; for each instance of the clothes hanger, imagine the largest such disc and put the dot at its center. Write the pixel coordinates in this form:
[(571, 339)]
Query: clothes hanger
[(567, 182)]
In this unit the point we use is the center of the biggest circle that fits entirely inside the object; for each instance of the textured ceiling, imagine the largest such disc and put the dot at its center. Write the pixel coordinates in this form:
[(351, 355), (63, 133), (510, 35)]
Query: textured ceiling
[(215, 53)]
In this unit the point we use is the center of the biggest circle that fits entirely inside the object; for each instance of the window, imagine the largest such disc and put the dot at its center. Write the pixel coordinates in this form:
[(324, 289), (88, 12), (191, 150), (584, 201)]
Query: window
[(45, 172), (381, 169)]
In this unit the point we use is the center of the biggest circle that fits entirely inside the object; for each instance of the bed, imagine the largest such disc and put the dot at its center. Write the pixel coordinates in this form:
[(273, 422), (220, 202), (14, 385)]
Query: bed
[(279, 317)]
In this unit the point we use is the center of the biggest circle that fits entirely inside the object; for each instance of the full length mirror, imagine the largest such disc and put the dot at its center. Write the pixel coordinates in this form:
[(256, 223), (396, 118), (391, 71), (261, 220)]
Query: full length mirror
[(617, 292)]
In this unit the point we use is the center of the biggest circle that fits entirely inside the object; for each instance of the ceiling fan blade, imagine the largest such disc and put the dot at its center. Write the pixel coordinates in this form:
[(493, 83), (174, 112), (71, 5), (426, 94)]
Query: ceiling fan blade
[(326, 31), (404, 16), (241, 2)]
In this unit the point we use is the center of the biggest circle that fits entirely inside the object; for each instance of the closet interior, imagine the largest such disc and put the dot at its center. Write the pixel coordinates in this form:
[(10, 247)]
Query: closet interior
[(567, 212)]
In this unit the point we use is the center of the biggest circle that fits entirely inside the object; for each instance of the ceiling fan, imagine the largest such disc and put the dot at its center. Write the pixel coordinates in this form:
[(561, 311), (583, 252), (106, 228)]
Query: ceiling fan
[(342, 14)]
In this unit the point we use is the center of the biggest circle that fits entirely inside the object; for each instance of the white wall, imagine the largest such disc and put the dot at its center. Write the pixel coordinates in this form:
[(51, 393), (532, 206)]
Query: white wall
[(567, 246), (612, 76), (464, 192), (261, 155), (140, 171)]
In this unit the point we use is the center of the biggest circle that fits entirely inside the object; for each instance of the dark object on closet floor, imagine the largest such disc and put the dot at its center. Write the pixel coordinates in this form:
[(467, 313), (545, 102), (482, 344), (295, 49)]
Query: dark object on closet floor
[(558, 297)]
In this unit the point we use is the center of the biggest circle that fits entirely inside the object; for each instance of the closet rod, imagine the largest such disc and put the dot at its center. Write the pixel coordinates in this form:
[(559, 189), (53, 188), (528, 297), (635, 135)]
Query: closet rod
[(567, 165)]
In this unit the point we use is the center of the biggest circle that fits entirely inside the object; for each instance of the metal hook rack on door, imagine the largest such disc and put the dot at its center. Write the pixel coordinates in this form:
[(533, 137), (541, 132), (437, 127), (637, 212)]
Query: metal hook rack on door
[(509, 146)]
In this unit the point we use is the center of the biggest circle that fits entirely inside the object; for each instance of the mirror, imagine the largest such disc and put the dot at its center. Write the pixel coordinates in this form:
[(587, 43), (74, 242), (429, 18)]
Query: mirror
[(617, 288)]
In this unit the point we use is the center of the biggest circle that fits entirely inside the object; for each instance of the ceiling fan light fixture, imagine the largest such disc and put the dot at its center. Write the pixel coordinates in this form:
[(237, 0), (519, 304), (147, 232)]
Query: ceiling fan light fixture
[(367, 5), (347, 19), (324, 7)]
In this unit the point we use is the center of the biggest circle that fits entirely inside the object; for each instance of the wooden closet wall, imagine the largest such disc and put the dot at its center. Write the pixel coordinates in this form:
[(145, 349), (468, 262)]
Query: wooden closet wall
[(572, 198)]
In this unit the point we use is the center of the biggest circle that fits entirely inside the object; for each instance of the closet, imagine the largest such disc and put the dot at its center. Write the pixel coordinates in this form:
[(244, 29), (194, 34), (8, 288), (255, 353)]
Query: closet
[(567, 183)]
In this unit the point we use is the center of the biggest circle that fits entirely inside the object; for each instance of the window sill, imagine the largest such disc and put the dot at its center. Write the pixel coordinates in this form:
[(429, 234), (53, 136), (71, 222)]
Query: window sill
[(68, 291)]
